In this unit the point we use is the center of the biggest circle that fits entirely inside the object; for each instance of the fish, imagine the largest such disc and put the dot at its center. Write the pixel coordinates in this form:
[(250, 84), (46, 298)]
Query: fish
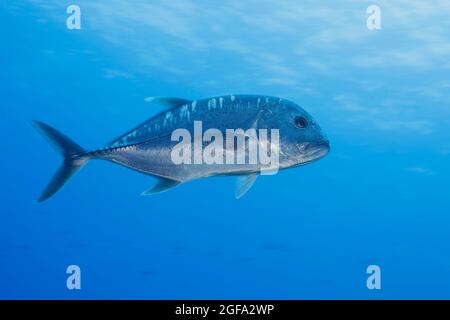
[(149, 148)]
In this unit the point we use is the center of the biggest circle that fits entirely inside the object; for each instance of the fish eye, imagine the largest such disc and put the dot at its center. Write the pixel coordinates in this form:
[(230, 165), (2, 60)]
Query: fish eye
[(301, 122)]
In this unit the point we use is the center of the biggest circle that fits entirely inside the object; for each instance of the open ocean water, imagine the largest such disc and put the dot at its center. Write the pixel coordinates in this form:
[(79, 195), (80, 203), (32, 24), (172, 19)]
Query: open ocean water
[(381, 196)]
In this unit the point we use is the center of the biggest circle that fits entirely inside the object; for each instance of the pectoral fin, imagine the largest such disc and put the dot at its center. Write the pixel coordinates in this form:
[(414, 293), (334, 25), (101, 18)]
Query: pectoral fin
[(162, 185), (243, 184)]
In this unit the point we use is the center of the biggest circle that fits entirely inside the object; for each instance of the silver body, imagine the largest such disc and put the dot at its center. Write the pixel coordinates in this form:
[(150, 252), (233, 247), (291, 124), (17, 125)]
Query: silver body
[(147, 148)]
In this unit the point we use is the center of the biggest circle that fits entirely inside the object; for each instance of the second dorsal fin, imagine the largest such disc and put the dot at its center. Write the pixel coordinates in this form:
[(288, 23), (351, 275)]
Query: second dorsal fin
[(166, 103)]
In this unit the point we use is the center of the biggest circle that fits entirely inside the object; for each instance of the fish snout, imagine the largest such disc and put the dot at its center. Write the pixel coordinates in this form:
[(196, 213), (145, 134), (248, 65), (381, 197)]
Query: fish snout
[(321, 148), (324, 144), (308, 146), (316, 149)]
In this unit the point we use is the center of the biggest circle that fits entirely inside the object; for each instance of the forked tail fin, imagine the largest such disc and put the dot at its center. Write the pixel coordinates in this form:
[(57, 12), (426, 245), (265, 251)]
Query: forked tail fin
[(74, 158)]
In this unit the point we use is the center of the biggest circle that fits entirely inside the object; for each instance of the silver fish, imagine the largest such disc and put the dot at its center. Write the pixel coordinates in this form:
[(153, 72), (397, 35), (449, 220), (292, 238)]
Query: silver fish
[(147, 148)]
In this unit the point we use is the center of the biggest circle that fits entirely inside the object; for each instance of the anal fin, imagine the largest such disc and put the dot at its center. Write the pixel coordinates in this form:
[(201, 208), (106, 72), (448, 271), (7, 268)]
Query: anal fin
[(162, 185)]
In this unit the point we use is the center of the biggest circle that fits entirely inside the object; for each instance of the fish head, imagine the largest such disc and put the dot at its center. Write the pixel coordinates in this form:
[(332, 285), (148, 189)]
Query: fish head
[(302, 140)]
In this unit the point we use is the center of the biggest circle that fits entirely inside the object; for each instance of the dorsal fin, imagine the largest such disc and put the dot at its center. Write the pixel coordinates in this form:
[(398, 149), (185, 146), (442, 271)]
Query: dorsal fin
[(168, 102)]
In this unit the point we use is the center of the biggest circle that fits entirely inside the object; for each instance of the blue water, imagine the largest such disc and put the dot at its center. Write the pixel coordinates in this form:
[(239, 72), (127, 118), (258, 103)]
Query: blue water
[(380, 197)]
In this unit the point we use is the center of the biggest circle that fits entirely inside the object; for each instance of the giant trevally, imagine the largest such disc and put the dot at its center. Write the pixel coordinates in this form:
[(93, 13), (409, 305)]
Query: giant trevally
[(149, 148)]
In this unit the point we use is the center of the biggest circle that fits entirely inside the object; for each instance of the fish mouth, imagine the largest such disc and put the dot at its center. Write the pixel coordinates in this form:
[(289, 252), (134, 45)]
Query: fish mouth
[(314, 150), (325, 144)]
